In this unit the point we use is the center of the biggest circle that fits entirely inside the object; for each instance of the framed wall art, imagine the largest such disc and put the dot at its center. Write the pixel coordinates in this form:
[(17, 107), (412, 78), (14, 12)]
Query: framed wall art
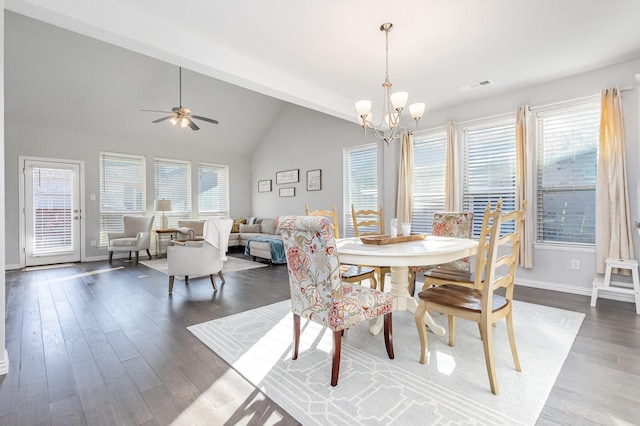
[(288, 192), (314, 180), (264, 185), (288, 176)]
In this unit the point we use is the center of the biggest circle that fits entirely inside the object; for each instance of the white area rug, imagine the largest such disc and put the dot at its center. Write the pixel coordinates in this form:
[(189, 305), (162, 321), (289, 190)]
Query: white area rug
[(452, 389), (232, 264)]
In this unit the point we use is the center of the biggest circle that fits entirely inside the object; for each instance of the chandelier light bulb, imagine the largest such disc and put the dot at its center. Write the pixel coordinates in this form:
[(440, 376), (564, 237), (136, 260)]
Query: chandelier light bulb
[(363, 107), (399, 100), (416, 110)]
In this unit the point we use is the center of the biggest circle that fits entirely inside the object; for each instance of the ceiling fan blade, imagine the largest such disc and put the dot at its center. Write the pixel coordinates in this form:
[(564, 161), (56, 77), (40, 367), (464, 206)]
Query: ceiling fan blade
[(210, 120), (155, 110), (193, 125), (162, 119)]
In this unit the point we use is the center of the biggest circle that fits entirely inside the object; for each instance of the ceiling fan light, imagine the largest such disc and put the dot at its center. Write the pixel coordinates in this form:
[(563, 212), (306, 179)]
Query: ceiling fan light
[(184, 122), (173, 121)]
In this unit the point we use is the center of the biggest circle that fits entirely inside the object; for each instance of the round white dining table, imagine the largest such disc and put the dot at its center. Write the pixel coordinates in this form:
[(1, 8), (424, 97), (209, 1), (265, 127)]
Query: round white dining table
[(430, 251)]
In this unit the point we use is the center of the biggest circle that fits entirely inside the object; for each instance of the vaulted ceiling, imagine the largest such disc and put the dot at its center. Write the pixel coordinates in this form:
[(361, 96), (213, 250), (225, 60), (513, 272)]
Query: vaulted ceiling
[(325, 55)]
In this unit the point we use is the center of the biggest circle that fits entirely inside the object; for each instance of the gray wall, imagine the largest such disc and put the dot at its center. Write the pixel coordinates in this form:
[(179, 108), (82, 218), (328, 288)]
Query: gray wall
[(304, 139), (55, 143)]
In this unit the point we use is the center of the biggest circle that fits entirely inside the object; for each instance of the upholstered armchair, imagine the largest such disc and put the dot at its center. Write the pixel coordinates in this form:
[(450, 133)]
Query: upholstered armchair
[(135, 237), (190, 229), (318, 293), (446, 224), (201, 258)]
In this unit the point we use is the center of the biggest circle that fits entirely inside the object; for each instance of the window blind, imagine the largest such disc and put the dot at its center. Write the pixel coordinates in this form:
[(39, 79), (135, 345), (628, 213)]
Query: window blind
[(566, 177), (173, 182), (489, 171), (122, 190), (213, 191), (429, 173), (52, 212), (360, 182)]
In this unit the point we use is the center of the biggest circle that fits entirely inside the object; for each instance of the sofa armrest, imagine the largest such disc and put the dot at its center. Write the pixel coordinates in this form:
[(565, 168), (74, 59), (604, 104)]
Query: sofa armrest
[(185, 233)]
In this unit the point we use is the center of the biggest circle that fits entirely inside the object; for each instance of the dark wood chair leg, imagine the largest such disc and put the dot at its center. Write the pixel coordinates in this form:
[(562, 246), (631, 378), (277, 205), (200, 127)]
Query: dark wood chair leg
[(186, 279), (296, 336), (221, 277), (137, 257), (213, 282), (337, 346), (388, 335), (110, 256), (149, 254), (129, 255), (171, 277)]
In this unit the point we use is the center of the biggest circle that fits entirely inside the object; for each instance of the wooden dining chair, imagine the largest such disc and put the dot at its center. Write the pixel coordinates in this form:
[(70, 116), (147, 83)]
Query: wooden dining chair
[(348, 273), (480, 303), (370, 222), (318, 293)]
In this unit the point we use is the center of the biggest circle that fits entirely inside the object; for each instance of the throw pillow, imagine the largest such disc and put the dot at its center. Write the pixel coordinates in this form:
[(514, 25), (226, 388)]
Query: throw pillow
[(268, 226), (251, 220), (235, 228), (250, 229)]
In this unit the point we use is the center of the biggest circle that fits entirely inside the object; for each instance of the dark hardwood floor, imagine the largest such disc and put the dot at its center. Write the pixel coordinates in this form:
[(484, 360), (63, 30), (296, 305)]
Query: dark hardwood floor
[(105, 344)]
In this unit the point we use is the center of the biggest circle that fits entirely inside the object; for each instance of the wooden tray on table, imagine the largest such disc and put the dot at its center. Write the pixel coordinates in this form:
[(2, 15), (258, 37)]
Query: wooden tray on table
[(388, 239)]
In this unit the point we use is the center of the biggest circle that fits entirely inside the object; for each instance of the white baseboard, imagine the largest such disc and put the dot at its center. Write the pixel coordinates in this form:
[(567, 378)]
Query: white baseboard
[(584, 291)]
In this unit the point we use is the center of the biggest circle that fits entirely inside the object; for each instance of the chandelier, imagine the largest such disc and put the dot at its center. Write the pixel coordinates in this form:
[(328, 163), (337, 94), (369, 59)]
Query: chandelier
[(393, 104)]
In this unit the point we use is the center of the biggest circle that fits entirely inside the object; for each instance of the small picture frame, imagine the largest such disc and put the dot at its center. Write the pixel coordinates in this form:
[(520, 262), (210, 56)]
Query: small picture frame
[(288, 176), (264, 185), (288, 192), (314, 180)]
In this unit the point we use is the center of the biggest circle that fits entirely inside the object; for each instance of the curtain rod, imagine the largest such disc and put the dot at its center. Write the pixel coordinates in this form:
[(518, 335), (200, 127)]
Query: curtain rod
[(626, 89)]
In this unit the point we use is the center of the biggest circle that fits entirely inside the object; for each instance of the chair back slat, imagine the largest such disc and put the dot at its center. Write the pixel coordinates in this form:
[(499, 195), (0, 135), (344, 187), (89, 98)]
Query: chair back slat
[(367, 221), (332, 215)]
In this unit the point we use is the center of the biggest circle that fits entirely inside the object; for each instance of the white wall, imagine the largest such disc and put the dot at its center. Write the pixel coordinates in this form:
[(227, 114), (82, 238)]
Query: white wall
[(304, 139)]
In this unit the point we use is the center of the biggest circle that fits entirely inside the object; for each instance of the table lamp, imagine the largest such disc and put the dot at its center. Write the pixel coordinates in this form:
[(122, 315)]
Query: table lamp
[(162, 206)]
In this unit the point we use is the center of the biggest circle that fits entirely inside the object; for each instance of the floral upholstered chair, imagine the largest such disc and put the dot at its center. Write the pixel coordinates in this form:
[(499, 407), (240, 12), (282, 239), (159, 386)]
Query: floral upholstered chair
[(447, 224), (317, 292)]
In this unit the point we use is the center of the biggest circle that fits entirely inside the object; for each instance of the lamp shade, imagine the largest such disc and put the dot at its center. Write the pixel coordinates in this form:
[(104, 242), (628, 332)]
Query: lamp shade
[(162, 206)]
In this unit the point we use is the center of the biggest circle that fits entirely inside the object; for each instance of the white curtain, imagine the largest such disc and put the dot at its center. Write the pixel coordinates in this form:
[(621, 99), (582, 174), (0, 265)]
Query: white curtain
[(525, 163), (613, 226), (451, 198), (405, 179)]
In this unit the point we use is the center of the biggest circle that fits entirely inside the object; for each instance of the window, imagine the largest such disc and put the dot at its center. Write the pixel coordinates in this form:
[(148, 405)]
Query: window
[(213, 191), (429, 173), (360, 182), (489, 167), (567, 137), (173, 182), (122, 190)]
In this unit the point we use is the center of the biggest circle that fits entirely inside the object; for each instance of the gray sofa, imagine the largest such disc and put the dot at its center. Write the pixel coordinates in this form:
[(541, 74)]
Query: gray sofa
[(262, 228), (190, 229)]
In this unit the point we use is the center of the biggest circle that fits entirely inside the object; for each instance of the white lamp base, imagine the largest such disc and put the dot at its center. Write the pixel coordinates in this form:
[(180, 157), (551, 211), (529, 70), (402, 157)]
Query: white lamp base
[(164, 222)]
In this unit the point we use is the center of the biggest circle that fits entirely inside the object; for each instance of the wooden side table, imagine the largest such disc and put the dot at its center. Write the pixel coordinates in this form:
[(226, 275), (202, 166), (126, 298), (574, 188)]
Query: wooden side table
[(171, 232)]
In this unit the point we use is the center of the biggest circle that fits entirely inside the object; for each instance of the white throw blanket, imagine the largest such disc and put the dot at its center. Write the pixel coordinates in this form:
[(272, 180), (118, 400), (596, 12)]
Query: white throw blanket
[(216, 233)]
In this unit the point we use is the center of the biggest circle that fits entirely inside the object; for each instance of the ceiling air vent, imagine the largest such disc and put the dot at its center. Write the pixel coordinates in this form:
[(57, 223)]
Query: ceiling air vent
[(472, 86)]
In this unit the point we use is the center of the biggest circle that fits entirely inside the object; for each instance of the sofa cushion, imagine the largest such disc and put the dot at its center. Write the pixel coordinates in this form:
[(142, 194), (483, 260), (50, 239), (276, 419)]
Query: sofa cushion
[(235, 228), (249, 228), (268, 226)]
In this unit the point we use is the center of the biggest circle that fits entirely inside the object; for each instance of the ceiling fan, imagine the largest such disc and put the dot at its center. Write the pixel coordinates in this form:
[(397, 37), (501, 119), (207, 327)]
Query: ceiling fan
[(181, 115)]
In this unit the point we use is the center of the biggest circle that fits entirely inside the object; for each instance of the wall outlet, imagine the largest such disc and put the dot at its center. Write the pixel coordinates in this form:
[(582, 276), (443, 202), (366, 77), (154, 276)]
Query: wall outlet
[(94, 243), (575, 263)]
